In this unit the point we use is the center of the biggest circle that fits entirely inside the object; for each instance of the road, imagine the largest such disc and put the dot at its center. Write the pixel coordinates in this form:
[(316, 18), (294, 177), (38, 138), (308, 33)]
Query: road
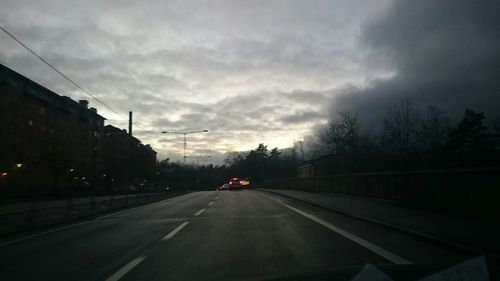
[(209, 235)]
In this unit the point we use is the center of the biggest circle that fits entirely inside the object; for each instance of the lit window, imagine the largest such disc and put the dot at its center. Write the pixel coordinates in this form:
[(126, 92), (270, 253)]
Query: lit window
[(30, 122)]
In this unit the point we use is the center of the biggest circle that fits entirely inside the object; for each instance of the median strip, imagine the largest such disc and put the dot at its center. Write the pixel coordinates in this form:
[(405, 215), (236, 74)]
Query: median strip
[(174, 232), (124, 270)]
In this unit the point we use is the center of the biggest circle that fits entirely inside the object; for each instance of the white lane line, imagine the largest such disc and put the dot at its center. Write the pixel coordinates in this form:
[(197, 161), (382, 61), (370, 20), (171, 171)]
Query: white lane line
[(124, 270), (174, 232), (199, 212), (360, 241), (210, 204)]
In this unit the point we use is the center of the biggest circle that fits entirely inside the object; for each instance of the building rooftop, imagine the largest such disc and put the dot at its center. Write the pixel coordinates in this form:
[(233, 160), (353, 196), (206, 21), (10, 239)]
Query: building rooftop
[(37, 91)]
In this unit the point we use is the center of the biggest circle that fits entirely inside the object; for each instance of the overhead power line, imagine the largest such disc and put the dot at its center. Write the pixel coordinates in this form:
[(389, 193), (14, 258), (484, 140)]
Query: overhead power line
[(59, 72)]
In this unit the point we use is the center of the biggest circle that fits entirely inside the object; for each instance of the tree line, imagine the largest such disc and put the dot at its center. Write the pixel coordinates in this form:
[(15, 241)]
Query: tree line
[(409, 139)]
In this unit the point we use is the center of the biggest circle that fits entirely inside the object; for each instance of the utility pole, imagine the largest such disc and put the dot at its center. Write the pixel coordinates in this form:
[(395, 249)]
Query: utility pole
[(130, 123), (185, 138)]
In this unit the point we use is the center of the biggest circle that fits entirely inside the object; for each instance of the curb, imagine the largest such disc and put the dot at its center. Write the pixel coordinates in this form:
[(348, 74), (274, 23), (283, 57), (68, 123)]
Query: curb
[(415, 233)]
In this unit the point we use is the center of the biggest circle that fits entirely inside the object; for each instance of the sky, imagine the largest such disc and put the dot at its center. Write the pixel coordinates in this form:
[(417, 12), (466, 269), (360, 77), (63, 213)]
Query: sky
[(255, 72)]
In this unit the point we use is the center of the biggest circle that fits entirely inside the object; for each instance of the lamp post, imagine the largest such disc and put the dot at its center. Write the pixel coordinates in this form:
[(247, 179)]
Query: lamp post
[(185, 139)]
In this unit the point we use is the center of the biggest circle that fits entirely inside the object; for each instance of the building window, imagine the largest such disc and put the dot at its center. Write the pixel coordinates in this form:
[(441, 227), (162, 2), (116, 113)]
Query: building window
[(30, 122), (42, 110)]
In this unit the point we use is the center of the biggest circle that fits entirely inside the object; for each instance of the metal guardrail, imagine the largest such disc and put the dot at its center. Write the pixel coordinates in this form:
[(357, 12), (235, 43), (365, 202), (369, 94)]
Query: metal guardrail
[(34, 215)]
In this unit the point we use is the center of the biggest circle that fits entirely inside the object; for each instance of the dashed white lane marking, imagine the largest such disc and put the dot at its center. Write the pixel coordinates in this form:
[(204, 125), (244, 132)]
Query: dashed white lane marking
[(199, 212), (358, 240), (210, 204), (174, 232), (124, 270)]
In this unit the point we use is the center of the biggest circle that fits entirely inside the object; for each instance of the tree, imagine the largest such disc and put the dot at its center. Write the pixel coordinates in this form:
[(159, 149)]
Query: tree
[(274, 155), (349, 131), (470, 142), (298, 152), (341, 135), (432, 135), (234, 158), (401, 123)]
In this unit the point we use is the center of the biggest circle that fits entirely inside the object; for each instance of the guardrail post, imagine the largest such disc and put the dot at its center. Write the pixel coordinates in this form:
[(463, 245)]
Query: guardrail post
[(92, 199), (34, 212), (69, 201), (126, 198)]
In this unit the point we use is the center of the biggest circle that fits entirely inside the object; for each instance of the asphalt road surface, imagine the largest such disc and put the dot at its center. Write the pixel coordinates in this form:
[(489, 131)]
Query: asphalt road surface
[(229, 235)]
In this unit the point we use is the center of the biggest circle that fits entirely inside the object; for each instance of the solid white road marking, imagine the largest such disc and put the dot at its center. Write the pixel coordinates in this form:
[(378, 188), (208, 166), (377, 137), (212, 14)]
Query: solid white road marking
[(174, 232), (210, 204), (124, 270), (199, 212), (360, 241)]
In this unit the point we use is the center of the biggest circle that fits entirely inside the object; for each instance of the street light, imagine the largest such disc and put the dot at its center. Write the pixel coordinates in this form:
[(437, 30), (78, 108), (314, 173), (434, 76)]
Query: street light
[(184, 133)]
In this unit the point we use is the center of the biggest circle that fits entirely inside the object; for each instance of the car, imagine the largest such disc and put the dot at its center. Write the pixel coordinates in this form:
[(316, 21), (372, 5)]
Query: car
[(219, 188), (224, 187), (245, 182), (235, 183)]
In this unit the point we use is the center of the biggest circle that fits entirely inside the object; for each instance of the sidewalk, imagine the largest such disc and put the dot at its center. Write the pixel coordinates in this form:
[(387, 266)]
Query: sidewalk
[(466, 232)]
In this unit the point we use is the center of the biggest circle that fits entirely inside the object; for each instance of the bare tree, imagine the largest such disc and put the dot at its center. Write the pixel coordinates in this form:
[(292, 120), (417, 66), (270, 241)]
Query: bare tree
[(298, 151), (348, 130), (401, 123), (340, 135), (434, 129)]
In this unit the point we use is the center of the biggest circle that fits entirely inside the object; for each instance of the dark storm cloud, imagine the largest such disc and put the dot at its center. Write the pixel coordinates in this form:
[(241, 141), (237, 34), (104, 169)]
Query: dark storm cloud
[(445, 53)]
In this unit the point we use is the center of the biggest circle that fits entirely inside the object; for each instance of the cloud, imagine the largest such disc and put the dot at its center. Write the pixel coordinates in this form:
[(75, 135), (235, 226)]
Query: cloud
[(445, 53), (248, 71), (303, 117)]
